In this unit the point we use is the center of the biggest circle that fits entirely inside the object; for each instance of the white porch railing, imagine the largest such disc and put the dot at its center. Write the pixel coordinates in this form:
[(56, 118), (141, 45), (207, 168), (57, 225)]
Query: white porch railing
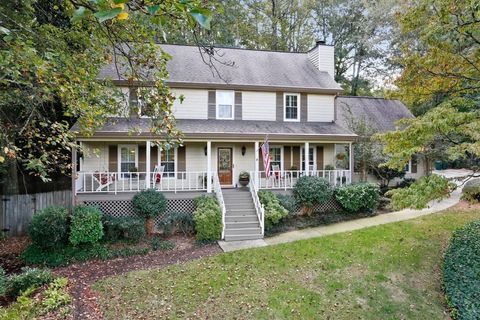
[(256, 201), (218, 193), (104, 181), (287, 179)]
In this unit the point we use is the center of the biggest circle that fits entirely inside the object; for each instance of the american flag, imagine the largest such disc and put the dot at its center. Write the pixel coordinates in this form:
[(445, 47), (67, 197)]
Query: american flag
[(266, 157)]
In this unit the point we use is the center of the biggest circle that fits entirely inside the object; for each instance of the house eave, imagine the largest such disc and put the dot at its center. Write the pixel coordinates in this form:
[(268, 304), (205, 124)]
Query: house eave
[(231, 86)]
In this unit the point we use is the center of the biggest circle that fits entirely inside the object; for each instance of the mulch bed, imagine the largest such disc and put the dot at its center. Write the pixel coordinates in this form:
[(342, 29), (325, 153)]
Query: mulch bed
[(82, 275), (10, 249)]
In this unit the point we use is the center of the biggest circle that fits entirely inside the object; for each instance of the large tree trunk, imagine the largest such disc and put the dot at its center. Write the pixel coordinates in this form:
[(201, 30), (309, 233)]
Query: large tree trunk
[(10, 186)]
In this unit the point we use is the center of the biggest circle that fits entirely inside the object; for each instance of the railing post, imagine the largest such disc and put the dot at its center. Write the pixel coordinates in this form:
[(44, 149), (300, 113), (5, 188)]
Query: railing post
[(306, 155), (256, 164), (209, 166), (147, 178)]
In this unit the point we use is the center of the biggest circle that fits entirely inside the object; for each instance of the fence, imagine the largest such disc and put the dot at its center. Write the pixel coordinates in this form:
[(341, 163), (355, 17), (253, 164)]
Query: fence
[(16, 211)]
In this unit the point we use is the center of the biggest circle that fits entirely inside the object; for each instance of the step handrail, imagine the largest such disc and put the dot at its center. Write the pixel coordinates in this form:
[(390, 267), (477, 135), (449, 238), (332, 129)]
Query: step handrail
[(258, 205), (219, 195)]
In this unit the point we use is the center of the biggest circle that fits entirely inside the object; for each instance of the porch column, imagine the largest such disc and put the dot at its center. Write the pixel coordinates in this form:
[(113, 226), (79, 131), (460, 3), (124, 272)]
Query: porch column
[(306, 156), (74, 173), (147, 177), (256, 163), (209, 166), (350, 164)]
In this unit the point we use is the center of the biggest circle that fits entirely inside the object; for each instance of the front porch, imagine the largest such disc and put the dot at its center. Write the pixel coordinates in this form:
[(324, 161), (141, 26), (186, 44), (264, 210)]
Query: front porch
[(118, 166)]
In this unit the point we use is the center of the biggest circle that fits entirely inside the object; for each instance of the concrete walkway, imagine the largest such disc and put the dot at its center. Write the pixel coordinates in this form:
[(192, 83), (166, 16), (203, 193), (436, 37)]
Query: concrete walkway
[(347, 226)]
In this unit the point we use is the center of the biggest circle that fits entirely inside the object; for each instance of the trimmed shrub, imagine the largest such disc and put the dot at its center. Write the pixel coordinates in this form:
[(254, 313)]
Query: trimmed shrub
[(86, 226), (274, 212), (288, 202), (208, 219), (49, 227), (311, 191), (461, 270), (30, 277), (471, 191), (3, 282), (149, 203), (181, 221), (406, 182), (130, 229), (160, 244), (358, 197)]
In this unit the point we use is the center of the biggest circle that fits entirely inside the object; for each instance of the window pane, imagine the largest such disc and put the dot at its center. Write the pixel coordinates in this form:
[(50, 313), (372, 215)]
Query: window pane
[(224, 111), (276, 157), (127, 158), (225, 97), (291, 107)]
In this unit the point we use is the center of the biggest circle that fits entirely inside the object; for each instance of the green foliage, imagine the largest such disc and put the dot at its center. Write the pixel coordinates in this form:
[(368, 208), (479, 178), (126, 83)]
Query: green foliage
[(56, 296), (30, 277), (274, 212), (34, 255), (288, 202), (181, 221), (49, 227), (471, 191), (461, 269), (23, 308), (128, 229), (420, 193), (3, 282), (208, 219), (310, 191), (86, 226), (406, 182), (149, 203), (158, 243), (358, 197)]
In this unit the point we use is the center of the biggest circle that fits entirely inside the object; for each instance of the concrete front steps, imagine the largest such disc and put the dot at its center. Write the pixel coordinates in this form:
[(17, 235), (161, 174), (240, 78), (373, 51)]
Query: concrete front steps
[(241, 221)]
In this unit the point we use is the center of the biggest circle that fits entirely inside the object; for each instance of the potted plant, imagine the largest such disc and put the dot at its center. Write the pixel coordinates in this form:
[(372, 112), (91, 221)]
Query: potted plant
[(133, 171), (329, 167), (341, 156), (149, 204), (244, 178)]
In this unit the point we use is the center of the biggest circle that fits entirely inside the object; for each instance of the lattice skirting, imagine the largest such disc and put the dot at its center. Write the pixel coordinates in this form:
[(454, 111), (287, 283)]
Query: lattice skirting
[(124, 208)]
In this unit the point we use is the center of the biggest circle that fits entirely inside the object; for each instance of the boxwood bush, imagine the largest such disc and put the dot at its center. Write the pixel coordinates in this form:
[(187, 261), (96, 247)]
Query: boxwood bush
[(358, 197), (208, 219), (129, 229), (86, 226), (30, 277), (49, 227), (179, 221), (471, 191), (274, 212), (149, 204), (311, 191), (461, 272)]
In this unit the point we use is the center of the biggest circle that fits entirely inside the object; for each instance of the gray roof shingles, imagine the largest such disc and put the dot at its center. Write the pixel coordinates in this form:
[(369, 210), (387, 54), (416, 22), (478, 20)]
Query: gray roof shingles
[(377, 112), (120, 126), (253, 68)]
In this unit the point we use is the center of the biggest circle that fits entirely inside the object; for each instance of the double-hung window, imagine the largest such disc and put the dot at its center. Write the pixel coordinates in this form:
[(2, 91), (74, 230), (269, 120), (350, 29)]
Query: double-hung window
[(168, 160), (291, 103), (276, 158), (225, 104), (311, 159), (128, 155)]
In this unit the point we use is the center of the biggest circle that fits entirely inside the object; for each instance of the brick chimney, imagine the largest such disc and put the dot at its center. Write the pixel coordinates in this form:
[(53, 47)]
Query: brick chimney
[(322, 57)]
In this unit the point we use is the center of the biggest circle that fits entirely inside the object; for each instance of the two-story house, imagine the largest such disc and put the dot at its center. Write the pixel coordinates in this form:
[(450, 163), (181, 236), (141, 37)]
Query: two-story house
[(289, 97)]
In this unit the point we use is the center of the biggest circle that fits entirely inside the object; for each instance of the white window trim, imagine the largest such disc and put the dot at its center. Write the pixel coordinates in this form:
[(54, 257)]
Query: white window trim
[(119, 156), (281, 155), (314, 149), (285, 94), (175, 165), (409, 166), (233, 104)]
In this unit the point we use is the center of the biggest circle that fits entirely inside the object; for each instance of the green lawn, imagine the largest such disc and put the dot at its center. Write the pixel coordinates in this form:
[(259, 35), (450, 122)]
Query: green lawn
[(385, 272)]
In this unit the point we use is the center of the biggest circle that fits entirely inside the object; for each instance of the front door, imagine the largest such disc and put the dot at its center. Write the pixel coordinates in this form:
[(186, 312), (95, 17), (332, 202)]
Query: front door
[(224, 166)]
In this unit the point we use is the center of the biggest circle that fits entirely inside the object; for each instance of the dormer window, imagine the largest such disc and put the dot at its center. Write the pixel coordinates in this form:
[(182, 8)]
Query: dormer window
[(291, 110), (225, 104)]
